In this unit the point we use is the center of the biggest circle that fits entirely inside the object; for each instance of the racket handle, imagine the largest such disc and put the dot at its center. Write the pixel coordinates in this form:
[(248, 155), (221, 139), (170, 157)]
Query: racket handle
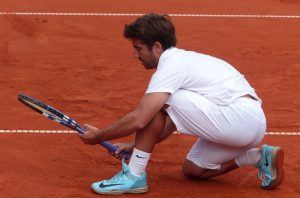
[(79, 129), (113, 148), (107, 145)]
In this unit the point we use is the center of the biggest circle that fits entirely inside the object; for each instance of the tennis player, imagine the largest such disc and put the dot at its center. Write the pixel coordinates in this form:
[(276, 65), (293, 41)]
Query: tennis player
[(195, 94)]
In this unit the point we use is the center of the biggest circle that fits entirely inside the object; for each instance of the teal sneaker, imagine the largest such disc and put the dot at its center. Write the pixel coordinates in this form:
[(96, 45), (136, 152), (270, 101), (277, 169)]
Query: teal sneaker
[(270, 166), (123, 182)]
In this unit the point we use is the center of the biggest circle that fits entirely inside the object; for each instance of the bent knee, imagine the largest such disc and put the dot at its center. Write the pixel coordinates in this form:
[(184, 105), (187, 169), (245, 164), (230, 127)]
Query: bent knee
[(192, 171)]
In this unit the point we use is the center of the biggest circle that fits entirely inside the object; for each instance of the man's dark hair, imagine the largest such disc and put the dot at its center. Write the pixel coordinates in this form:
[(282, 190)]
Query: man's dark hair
[(151, 28)]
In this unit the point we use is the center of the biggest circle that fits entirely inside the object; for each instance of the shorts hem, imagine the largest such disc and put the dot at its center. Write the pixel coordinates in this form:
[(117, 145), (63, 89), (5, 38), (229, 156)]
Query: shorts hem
[(205, 165)]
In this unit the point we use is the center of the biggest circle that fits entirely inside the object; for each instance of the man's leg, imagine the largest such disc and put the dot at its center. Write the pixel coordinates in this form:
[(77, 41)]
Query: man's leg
[(146, 139), (268, 160), (158, 130), (207, 159), (193, 171), (133, 178)]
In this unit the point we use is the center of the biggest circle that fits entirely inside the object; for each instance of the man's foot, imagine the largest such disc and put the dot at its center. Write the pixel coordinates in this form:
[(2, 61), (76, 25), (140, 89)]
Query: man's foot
[(123, 182), (270, 166)]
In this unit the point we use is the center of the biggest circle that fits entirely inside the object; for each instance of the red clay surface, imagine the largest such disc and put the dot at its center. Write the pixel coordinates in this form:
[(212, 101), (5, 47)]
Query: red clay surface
[(83, 66)]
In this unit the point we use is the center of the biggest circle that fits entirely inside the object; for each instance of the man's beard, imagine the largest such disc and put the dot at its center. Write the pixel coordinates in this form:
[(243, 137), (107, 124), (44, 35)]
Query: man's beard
[(149, 65)]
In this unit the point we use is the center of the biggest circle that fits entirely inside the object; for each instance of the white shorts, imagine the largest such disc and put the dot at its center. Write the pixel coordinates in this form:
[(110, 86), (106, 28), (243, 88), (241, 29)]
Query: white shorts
[(224, 132)]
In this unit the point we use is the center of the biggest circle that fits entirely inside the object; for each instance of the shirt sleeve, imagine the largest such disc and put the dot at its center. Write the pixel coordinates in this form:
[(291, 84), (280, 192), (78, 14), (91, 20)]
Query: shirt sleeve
[(168, 78)]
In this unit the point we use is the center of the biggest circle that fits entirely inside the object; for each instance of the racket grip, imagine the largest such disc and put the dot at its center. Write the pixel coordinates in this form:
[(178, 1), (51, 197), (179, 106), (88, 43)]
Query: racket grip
[(113, 148), (107, 145)]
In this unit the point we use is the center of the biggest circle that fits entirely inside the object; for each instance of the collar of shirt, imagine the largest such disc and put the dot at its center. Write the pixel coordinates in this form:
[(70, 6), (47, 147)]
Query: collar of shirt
[(167, 53)]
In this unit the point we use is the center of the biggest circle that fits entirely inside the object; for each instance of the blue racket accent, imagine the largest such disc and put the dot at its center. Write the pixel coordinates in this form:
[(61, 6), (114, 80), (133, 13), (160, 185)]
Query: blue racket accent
[(112, 148), (55, 115)]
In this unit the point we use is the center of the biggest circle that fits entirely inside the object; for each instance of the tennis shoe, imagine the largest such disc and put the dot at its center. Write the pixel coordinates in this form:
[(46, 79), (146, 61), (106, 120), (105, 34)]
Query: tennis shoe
[(270, 167), (122, 182)]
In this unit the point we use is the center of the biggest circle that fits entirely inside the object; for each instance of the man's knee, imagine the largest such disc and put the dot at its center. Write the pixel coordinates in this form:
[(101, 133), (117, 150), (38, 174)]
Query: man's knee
[(192, 171)]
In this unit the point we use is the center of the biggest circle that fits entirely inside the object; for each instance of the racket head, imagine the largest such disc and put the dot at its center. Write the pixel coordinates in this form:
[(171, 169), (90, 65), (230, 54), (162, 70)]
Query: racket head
[(50, 112), (39, 106)]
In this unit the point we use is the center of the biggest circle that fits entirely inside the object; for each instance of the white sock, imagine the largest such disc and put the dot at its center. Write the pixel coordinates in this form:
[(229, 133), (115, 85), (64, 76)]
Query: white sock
[(138, 162), (248, 158)]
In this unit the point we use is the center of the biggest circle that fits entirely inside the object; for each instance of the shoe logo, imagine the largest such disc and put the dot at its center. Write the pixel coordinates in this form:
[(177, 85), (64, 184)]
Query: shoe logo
[(139, 156), (108, 185), (266, 163)]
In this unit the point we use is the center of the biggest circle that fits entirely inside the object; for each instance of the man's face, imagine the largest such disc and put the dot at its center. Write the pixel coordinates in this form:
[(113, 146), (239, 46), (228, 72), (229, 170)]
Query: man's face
[(147, 57)]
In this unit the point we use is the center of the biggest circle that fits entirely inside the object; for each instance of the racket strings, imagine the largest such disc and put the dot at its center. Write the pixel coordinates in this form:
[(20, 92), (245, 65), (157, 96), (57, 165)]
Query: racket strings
[(41, 109), (51, 113)]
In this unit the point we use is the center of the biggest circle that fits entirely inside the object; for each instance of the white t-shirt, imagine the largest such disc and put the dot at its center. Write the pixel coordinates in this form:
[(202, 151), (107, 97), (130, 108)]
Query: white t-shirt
[(208, 76)]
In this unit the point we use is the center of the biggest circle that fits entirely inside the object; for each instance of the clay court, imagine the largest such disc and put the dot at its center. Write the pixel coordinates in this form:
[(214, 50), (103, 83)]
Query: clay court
[(71, 54)]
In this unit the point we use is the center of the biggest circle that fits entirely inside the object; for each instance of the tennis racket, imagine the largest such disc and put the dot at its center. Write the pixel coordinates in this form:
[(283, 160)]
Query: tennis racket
[(60, 117)]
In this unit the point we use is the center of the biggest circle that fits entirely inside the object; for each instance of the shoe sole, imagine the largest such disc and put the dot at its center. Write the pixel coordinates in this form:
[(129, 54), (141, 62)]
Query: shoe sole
[(277, 168), (119, 192)]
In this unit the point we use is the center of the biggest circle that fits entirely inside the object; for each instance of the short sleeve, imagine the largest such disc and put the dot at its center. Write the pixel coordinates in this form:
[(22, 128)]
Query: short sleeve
[(168, 77)]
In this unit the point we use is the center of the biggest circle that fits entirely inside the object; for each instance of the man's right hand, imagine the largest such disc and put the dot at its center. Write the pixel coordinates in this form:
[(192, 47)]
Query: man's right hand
[(91, 135)]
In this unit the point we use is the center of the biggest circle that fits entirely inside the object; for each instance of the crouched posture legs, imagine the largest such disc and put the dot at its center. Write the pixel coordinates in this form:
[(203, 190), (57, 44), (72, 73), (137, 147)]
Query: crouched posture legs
[(205, 160)]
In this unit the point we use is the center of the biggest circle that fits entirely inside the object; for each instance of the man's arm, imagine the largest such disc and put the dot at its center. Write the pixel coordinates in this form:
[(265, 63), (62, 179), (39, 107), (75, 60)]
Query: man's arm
[(132, 122), (128, 146)]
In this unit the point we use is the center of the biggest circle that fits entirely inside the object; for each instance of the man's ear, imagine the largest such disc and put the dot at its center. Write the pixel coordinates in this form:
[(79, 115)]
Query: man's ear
[(157, 48)]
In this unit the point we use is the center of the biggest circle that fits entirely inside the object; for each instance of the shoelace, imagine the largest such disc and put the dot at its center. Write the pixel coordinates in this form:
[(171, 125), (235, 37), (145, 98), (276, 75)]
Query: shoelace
[(116, 177), (119, 175)]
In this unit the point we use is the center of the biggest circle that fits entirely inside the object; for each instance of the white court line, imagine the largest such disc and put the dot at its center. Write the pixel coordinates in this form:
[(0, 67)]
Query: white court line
[(140, 14), (37, 131), (282, 133)]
